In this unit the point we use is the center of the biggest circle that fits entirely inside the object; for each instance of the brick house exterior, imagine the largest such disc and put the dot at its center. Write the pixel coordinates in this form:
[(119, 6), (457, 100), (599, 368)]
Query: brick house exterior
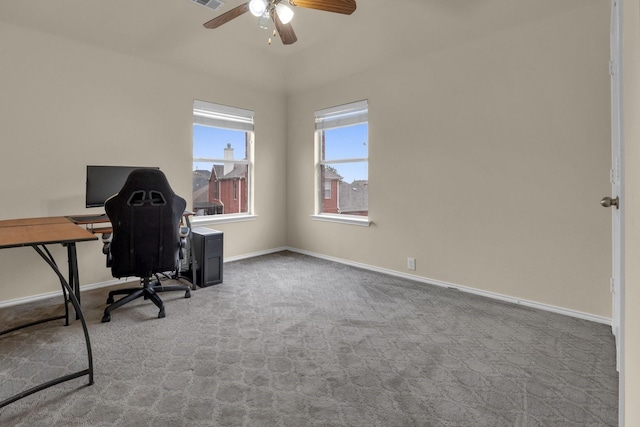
[(224, 189), (344, 198), (218, 193)]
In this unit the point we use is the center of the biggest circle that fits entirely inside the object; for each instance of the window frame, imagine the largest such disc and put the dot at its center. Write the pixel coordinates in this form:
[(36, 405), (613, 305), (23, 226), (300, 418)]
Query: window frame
[(332, 118), (231, 118)]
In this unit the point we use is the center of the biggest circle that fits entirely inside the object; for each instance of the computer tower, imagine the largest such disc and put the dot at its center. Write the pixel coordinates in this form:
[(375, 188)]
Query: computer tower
[(206, 253)]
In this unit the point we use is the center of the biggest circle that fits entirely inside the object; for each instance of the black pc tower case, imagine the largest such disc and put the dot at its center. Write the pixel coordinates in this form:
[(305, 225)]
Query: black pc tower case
[(206, 253)]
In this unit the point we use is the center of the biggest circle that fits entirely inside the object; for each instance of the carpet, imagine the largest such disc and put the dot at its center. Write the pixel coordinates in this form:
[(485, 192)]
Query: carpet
[(292, 340)]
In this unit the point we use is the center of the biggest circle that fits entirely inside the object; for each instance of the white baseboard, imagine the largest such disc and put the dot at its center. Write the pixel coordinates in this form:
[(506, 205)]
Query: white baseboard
[(57, 293), (83, 288), (259, 253), (440, 283), (434, 282)]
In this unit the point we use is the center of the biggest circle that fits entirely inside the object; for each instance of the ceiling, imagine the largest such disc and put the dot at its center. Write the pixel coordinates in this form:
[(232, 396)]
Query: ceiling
[(171, 32)]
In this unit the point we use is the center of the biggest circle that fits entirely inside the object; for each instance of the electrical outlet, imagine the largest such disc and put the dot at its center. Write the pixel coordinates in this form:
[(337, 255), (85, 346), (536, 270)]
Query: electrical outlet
[(411, 263)]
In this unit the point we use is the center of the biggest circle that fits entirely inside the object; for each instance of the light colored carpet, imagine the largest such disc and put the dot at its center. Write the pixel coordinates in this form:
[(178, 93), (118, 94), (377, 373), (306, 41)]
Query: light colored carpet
[(290, 340)]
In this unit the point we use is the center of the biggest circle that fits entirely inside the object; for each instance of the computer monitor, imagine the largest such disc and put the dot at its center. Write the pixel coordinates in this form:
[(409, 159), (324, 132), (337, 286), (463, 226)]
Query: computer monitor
[(105, 181)]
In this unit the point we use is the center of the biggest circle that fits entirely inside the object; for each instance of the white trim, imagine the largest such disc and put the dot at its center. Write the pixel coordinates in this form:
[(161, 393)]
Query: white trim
[(343, 219), (83, 288), (256, 254), (203, 221), (342, 115), (617, 144), (338, 161), (343, 108), (214, 160), (440, 283), (211, 107), (56, 294), (222, 116)]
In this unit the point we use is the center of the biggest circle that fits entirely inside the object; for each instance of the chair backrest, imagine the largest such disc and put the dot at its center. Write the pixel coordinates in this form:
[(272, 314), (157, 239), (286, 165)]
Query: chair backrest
[(145, 216)]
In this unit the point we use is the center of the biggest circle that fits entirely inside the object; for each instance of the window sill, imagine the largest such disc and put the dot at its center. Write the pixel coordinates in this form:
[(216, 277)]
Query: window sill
[(343, 219), (200, 221)]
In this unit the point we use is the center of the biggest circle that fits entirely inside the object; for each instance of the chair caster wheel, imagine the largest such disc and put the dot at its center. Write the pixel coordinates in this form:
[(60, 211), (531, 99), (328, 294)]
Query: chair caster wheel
[(161, 314), (187, 294), (106, 318)]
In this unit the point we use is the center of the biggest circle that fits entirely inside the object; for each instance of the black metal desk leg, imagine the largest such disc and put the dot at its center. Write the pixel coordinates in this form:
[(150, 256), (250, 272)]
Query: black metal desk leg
[(46, 254), (76, 306), (48, 258), (74, 280)]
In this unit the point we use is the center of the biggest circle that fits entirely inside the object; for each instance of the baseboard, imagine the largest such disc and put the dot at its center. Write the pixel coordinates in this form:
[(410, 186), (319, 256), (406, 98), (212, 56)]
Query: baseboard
[(56, 294), (255, 254), (434, 282), (440, 283)]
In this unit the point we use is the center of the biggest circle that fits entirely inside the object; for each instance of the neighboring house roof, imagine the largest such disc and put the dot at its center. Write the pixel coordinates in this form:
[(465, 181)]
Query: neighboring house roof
[(353, 197), (201, 197), (329, 174), (200, 179), (239, 171)]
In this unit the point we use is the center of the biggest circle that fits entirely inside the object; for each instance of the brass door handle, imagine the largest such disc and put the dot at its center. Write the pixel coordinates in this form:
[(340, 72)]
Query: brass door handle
[(607, 202)]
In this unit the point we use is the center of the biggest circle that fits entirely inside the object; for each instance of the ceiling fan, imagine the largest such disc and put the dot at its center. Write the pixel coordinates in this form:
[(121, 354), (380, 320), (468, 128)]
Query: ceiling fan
[(281, 14)]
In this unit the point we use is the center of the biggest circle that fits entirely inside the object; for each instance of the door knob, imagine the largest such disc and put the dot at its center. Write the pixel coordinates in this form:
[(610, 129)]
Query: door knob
[(607, 202)]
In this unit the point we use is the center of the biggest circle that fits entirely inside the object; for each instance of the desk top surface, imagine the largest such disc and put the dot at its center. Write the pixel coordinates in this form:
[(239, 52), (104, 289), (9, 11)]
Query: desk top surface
[(41, 231), (21, 222)]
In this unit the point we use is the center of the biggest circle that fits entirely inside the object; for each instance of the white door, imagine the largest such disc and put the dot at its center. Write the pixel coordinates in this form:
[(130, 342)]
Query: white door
[(614, 201), (617, 192)]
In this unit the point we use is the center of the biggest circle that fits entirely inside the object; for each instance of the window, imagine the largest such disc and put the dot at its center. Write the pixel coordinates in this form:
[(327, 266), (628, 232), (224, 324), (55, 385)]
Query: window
[(222, 159), (342, 180)]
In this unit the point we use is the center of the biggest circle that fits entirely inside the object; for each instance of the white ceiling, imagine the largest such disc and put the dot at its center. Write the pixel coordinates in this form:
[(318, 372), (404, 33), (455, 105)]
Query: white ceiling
[(329, 45)]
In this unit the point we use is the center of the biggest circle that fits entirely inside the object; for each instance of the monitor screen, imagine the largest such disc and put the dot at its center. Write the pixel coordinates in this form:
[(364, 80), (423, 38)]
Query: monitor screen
[(105, 181)]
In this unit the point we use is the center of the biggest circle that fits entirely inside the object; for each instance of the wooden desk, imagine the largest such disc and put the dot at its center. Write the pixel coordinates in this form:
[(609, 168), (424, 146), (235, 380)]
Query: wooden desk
[(33, 221), (41, 234), (90, 221), (37, 233)]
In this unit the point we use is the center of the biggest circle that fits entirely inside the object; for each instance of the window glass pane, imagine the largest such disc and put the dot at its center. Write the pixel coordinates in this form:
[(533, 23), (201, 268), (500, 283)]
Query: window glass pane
[(347, 186), (221, 181), (342, 144), (210, 143), (349, 142)]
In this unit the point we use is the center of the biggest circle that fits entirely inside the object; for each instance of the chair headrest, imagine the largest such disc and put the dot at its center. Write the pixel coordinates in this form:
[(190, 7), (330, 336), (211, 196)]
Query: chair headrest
[(141, 197)]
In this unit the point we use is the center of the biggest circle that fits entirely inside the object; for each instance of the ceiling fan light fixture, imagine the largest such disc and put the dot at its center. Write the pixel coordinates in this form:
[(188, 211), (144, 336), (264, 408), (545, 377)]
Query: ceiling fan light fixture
[(257, 7), (275, 14), (285, 13), (264, 21)]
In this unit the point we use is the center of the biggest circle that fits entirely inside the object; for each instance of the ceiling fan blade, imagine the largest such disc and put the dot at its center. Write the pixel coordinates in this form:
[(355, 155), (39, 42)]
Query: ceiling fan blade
[(287, 35), (346, 7), (227, 16)]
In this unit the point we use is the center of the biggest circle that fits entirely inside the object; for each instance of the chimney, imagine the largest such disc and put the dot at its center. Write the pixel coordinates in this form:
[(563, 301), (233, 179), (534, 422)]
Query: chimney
[(228, 155)]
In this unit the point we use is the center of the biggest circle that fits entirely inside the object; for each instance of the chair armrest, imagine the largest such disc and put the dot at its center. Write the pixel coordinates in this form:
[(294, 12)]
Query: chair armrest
[(106, 246), (184, 233)]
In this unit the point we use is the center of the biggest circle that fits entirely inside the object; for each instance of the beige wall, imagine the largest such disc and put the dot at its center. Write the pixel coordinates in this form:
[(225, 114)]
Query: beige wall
[(487, 164), (506, 140), (65, 105), (631, 97)]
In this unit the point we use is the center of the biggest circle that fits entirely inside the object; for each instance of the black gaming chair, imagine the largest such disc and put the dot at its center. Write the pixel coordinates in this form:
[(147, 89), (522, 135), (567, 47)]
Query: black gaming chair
[(147, 238)]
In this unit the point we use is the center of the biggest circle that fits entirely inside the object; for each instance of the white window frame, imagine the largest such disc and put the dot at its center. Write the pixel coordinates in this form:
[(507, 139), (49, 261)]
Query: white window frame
[(226, 117), (330, 118)]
